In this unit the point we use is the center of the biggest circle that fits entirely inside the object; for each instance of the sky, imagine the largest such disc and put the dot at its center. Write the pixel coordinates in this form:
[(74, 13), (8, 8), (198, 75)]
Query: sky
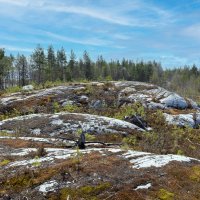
[(167, 31)]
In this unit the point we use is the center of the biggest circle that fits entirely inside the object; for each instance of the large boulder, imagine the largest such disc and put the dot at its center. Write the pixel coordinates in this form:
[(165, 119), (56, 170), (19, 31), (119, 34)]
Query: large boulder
[(184, 120), (27, 87), (174, 101)]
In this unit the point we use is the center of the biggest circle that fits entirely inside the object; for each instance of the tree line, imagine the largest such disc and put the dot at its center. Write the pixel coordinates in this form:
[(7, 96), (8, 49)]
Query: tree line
[(50, 65)]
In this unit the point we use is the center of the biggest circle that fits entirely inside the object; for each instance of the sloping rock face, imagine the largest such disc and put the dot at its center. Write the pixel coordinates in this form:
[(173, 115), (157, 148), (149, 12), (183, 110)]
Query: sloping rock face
[(96, 173), (66, 123), (152, 96), (148, 94), (182, 120), (39, 161), (97, 96)]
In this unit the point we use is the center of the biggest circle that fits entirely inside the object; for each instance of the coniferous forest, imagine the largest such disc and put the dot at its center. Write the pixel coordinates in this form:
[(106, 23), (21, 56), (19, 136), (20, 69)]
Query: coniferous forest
[(49, 66)]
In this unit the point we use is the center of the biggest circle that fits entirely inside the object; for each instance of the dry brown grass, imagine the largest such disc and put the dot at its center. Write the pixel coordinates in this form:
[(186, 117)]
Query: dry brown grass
[(19, 143), (178, 112)]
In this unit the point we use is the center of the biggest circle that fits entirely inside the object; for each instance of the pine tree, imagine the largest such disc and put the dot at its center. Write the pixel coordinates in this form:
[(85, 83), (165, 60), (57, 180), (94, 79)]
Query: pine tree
[(22, 69), (38, 64), (71, 64), (51, 63), (5, 64), (87, 66), (62, 64)]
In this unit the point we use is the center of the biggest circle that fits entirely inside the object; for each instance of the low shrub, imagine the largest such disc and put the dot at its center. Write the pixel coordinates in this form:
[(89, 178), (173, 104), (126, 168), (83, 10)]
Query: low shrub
[(4, 162)]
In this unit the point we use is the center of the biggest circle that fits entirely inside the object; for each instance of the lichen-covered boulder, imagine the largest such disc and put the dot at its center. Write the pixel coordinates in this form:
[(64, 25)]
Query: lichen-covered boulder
[(27, 87), (183, 120)]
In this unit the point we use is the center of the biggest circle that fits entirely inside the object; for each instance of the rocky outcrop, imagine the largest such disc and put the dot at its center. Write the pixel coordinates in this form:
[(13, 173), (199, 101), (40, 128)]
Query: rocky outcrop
[(152, 96), (139, 173), (184, 120), (98, 97), (137, 159), (66, 123), (36, 147)]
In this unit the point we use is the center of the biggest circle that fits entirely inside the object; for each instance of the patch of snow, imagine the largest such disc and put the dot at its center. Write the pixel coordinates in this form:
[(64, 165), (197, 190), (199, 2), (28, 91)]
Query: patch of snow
[(142, 187)]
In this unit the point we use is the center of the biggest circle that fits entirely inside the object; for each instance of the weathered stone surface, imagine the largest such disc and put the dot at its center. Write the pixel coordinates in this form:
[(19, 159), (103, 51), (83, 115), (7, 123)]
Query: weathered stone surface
[(183, 120), (83, 99), (107, 95), (152, 96), (27, 87), (138, 170), (137, 159), (126, 173), (96, 104), (129, 91), (54, 124)]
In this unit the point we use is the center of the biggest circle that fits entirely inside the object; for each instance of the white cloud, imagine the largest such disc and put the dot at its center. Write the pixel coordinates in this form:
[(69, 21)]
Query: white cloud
[(91, 12), (117, 14), (193, 31), (15, 2), (121, 36), (15, 48), (89, 41)]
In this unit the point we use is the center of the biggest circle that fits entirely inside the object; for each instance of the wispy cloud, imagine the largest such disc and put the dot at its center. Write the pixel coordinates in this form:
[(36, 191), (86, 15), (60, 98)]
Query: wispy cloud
[(15, 2), (115, 14), (193, 31), (121, 36), (90, 41), (15, 48), (125, 28), (92, 12)]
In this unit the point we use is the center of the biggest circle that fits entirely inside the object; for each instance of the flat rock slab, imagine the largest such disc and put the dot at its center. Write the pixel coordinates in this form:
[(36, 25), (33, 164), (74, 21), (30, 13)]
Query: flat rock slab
[(65, 123), (137, 159), (134, 172)]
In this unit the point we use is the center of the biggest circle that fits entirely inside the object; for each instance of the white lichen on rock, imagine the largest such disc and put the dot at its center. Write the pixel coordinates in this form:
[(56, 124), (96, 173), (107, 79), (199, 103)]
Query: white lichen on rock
[(142, 187), (48, 186), (183, 120), (157, 160), (137, 159)]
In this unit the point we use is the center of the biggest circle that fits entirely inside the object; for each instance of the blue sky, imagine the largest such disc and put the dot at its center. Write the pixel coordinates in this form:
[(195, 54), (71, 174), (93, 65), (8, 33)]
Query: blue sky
[(163, 30)]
